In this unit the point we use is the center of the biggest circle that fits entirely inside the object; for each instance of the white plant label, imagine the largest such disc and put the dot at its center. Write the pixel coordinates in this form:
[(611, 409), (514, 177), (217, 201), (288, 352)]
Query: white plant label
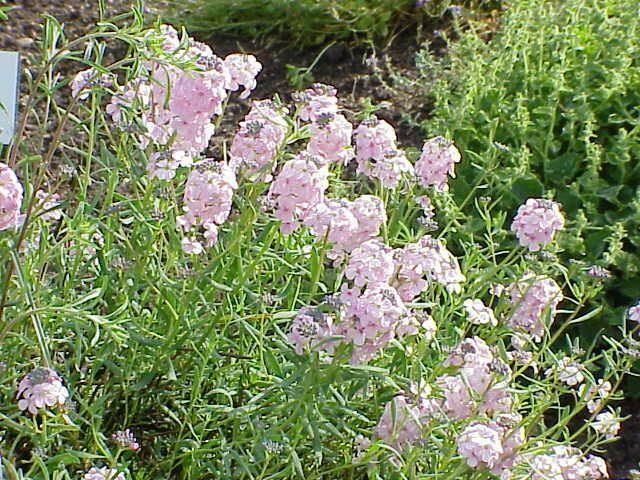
[(9, 73)]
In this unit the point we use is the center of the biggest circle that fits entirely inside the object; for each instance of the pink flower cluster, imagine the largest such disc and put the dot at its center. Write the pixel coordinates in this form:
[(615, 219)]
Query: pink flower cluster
[(371, 262), (377, 153), (208, 195), (438, 159), (256, 144), (311, 329), (103, 473), (567, 463), (427, 260), (331, 139), (126, 439), (40, 389), (533, 299), (478, 313), (316, 102), (176, 106), (490, 445), (298, 187), (401, 423), (243, 70), (372, 318), (346, 224), (85, 80), (594, 394), (10, 198), (536, 223), (478, 385)]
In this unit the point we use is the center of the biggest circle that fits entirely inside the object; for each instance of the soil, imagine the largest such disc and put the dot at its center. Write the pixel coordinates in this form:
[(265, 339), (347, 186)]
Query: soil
[(361, 73)]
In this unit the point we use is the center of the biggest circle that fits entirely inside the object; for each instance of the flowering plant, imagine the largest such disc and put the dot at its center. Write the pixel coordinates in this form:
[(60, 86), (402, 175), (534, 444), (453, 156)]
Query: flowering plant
[(269, 310)]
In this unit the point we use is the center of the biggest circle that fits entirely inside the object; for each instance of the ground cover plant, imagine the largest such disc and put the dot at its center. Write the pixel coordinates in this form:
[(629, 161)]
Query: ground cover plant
[(549, 105), (282, 305), (308, 23)]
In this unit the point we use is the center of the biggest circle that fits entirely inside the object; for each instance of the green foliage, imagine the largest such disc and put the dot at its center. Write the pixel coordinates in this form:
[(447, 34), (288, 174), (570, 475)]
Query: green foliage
[(550, 107), (304, 22)]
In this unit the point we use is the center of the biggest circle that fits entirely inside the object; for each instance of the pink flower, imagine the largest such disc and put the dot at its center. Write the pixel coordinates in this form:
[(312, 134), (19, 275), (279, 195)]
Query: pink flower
[(331, 139), (126, 439), (478, 313), (261, 134), (377, 153), (481, 445), (536, 223), (427, 260), (47, 204), (10, 198), (569, 371), (243, 70), (400, 424), (371, 262), (85, 80), (634, 313), (346, 224), (103, 473), (594, 394), (478, 376), (533, 299), (491, 445), (369, 320), (208, 196), (297, 188), (191, 246), (317, 101), (311, 329), (567, 463), (40, 389), (607, 424), (438, 159)]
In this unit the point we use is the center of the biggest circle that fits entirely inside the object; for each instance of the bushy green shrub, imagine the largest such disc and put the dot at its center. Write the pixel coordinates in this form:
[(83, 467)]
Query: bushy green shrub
[(550, 107), (306, 22)]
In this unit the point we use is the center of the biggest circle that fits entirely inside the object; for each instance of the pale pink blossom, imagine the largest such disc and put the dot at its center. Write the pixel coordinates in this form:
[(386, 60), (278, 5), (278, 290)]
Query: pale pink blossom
[(371, 262), (421, 263), (311, 329), (438, 159), (315, 102), (85, 80), (103, 473), (536, 223), (595, 394), (345, 224), (478, 313), (634, 313), (48, 204), (261, 134), (607, 424), (298, 187), (10, 198), (534, 300), (370, 319), (377, 153), (41, 389), (401, 423), (243, 70), (481, 445), (569, 371), (208, 197), (331, 139), (567, 463)]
